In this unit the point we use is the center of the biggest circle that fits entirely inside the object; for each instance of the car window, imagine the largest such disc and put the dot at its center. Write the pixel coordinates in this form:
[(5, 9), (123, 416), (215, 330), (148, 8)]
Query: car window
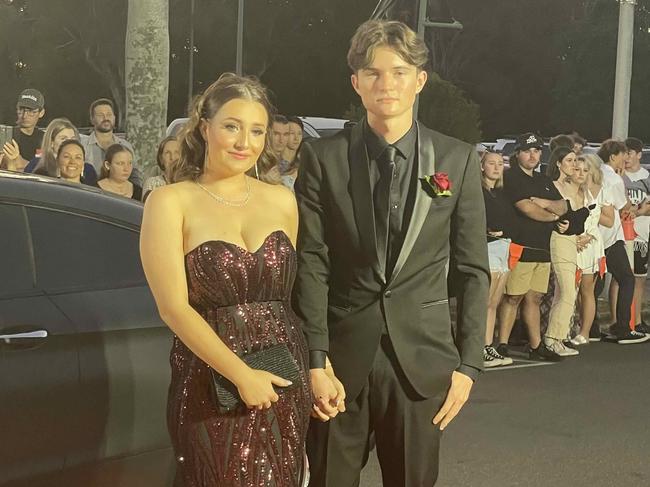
[(74, 252), (328, 132), (16, 266)]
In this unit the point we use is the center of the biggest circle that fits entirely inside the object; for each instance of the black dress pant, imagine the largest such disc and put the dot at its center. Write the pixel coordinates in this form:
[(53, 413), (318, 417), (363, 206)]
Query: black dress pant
[(406, 439), (619, 266)]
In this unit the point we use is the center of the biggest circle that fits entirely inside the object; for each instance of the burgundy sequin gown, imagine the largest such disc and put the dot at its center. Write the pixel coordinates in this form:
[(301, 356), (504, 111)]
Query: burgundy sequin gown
[(244, 296)]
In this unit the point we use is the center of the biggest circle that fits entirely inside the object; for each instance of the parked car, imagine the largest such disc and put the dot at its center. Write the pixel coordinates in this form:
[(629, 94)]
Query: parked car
[(83, 353), (313, 126)]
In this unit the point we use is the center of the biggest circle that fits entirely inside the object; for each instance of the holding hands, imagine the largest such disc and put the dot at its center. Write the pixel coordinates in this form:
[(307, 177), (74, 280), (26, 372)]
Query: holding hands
[(328, 392)]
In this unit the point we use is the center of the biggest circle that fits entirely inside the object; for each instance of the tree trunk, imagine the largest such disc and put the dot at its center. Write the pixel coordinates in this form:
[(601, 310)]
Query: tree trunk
[(146, 77)]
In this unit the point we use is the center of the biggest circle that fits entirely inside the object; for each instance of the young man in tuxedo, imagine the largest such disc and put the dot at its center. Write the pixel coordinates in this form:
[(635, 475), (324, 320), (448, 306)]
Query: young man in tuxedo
[(386, 207)]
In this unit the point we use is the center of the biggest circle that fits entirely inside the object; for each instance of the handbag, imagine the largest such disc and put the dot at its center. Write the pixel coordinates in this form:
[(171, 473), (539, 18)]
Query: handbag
[(275, 359)]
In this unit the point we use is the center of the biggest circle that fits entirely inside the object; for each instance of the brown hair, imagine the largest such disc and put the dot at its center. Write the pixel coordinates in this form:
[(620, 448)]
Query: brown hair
[(558, 155), (161, 150), (610, 148), (110, 154), (499, 183), (228, 87), (390, 33), (48, 163)]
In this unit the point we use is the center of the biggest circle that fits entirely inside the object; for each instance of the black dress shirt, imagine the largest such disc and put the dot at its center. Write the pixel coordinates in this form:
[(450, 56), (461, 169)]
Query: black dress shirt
[(402, 195)]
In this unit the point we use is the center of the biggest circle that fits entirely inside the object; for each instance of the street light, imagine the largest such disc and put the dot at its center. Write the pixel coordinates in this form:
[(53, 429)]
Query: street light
[(240, 38), (625, 48)]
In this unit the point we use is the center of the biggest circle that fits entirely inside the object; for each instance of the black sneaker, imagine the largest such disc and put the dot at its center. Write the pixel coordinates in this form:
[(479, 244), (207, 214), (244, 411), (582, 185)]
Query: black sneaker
[(544, 354), (632, 337), (642, 328), (502, 349)]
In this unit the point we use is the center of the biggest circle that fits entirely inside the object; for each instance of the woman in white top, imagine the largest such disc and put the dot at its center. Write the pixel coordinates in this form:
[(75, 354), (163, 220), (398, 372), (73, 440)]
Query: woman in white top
[(591, 249)]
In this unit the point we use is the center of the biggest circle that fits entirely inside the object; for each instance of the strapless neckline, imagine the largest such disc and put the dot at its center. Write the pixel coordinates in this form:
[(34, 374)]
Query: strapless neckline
[(239, 247)]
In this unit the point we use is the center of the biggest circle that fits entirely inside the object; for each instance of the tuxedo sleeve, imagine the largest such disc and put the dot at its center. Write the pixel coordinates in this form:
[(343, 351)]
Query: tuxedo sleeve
[(310, 292), (470, 268)]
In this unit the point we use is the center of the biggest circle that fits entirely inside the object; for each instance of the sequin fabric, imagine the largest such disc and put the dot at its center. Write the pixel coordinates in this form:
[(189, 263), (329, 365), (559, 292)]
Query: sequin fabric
[(244, 296)]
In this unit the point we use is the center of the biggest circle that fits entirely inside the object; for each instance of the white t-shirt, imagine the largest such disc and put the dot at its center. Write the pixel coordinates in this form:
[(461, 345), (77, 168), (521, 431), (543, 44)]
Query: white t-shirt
[(636, 197), (613, 194)]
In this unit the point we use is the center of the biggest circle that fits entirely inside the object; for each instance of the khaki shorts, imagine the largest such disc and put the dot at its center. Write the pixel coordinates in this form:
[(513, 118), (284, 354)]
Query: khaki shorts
[(528, 276)]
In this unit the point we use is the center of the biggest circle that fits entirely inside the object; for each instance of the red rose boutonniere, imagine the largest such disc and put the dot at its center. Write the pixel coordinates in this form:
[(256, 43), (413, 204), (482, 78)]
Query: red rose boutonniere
[(439, 183)]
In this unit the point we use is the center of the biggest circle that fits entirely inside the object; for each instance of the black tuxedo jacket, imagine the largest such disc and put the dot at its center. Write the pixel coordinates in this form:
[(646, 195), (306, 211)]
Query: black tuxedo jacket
[(341, 292)]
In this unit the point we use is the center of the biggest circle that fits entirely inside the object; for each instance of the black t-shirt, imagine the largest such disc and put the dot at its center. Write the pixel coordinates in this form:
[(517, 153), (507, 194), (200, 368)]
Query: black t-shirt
[(28, 143), (499, 213), (532, 234)]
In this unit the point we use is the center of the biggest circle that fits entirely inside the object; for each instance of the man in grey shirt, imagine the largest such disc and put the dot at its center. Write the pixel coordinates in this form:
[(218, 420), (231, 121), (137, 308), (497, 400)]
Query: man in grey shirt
[(102, 118)]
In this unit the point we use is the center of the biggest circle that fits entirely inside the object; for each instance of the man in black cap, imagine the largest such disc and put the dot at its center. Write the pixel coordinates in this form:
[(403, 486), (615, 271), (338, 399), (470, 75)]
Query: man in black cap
[(528, 280), (27, 139)]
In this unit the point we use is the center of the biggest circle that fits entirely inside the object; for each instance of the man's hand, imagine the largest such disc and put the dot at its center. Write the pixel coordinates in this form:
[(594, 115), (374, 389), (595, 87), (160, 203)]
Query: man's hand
[(12, 155), (457, 396), (328, 392)]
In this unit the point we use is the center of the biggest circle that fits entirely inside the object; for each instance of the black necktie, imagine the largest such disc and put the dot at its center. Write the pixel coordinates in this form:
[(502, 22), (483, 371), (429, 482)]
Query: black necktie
[(386, 163)]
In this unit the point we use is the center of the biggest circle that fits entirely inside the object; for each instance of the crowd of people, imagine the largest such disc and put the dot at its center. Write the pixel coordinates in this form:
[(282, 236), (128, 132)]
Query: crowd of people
[(105, 160), (554, 231)]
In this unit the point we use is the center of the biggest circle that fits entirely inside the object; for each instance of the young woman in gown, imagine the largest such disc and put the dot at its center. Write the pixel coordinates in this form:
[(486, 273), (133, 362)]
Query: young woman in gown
[(217, 248)]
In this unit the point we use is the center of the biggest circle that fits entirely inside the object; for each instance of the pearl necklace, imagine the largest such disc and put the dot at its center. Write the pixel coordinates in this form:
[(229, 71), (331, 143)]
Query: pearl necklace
[(224, 201)]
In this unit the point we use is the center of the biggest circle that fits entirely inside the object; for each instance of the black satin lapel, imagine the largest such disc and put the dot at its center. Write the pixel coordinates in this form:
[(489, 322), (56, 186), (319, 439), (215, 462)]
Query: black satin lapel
[(361, 194), (422, 204)]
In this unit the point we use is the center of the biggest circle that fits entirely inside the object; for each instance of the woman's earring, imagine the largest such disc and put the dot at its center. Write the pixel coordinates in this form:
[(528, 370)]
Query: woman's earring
[(257, 173)]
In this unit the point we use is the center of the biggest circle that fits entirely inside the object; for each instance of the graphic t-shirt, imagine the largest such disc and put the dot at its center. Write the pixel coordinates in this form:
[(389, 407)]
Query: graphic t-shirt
[(638, 195)]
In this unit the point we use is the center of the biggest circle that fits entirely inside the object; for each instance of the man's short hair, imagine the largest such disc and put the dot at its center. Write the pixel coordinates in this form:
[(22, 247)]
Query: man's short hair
[(632, 143), (280, 119), (578, 139), (297, 121), (561, 140), (389, 33), (100, 102)]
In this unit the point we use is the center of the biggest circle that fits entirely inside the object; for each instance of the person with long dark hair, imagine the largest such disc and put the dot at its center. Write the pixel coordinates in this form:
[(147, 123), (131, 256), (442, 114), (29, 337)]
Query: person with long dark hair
[(217, 248)]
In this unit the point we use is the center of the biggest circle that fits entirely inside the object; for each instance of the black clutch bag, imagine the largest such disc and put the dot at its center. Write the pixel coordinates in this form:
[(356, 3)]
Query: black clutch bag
[(275, 359)]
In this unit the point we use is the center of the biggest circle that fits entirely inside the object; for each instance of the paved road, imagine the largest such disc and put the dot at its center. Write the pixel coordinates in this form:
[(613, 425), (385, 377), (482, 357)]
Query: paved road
[(582, 423)]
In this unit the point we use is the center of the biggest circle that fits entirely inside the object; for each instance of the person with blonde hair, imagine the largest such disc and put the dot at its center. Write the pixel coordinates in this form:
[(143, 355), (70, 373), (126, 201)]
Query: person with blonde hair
[(501, 227), (217, 247), (590, 245)]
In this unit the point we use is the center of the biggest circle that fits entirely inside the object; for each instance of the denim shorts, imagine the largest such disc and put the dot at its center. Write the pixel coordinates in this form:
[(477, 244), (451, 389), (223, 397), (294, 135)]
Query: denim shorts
[(498, 252)]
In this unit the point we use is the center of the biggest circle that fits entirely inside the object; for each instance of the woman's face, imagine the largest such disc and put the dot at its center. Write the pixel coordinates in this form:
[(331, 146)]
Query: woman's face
[(567, 164), (119, 169), (62, 136), (493, 167), (581, 172), (235, 137), (71, 162), (171, 153), (295, 136)]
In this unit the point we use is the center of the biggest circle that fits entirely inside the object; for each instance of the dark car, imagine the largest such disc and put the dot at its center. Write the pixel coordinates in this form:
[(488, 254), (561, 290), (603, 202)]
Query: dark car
[(84, 355)]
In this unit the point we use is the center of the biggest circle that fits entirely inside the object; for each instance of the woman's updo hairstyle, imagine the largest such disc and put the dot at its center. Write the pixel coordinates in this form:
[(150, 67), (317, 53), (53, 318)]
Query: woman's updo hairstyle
[(228, 87)]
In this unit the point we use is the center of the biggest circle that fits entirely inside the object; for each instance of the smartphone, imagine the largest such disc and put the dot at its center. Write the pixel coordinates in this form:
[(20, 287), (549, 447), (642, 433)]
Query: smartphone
[(6, 134)]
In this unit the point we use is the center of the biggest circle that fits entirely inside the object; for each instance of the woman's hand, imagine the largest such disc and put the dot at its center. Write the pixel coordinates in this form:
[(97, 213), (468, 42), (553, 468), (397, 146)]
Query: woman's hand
[(492, 233), (256, 388), (583, 241), (562, 226)]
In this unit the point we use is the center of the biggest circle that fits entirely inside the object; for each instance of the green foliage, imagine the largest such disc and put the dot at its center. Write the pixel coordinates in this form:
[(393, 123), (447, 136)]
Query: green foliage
[(446, 108)]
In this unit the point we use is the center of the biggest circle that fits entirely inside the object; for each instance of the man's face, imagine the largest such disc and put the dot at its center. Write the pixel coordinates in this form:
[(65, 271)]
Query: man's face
[(295, 136), (27, 118), (279, 137), (103, 119), (389, 85), (529, 158), (633, 160)]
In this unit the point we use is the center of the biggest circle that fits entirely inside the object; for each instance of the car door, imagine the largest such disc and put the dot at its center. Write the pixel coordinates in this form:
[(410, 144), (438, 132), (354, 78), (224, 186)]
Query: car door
[(90, 268), (39, 365)]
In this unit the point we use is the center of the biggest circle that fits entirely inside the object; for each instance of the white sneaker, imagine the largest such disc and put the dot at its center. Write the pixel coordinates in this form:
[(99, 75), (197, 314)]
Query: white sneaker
[(558, 347), (498, 359), (579, 340)]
